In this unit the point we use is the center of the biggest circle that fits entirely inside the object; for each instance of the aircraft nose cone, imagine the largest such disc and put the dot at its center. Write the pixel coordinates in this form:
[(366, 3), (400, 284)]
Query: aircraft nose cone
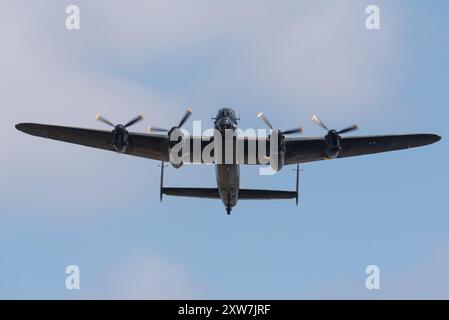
[(224, 124)]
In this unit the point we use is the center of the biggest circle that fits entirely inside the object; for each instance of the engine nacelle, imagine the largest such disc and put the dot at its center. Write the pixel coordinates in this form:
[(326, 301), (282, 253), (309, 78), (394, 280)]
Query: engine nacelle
[(120, 140), (333, 144), (277, 150)]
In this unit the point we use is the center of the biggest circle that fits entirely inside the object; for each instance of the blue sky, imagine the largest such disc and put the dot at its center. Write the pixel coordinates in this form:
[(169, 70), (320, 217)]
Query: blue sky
[(63, 204)]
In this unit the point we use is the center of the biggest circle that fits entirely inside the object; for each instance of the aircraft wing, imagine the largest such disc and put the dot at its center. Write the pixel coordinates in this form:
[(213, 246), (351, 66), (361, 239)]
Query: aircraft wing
[(301, 150), (149, 146)]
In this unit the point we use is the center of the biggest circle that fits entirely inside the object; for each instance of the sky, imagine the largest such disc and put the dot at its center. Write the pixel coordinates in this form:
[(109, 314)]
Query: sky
[(63, 204)]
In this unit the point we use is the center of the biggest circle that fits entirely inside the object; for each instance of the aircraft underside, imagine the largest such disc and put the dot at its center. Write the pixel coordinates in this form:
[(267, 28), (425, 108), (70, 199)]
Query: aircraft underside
[(280, 150)]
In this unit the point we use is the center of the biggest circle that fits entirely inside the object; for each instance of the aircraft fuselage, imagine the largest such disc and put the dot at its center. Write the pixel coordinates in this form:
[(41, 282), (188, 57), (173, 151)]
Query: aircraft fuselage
[(228, 175)]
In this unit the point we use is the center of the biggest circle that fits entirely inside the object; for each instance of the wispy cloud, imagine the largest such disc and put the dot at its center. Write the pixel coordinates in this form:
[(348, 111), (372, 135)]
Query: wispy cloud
[(142, 276)]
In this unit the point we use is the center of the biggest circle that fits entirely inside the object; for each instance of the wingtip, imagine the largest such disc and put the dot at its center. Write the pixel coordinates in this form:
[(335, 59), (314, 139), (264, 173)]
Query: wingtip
[(430, 138), (33, 129), (20, 126)]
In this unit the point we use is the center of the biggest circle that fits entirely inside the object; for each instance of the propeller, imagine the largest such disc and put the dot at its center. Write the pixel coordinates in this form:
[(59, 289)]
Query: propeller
[(317, 120), (130, 123), (277, 150), (134, 121), (332, 138), (264, 119), (120, 136), (181, 123)]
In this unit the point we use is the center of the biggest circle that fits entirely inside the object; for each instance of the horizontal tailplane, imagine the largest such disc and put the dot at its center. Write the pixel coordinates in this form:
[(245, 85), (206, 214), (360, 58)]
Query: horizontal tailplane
[(244, 194)]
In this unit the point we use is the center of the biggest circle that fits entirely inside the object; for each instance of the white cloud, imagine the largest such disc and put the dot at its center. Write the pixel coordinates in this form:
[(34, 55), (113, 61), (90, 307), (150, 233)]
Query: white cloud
[(309, 57), (44, 82), (299, 57), (144, 277)]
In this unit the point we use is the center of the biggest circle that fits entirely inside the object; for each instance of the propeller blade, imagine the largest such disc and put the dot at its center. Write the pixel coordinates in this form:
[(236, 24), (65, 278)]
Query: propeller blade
[(184, 119), (348, 129), (262, 117), (156, 129), (292, 131), (319, 122), (100, 118), (134, 121)]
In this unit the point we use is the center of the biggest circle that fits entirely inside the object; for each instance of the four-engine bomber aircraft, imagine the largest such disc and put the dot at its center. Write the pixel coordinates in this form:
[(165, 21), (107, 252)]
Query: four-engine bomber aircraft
[(291, 150)]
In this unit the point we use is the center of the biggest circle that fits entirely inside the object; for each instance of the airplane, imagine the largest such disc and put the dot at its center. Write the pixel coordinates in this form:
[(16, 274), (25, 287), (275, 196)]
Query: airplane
[(157, 145)]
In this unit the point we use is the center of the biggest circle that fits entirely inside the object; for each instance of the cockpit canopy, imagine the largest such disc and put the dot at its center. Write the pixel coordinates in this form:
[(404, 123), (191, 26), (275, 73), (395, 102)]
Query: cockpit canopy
[(227, 112)]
